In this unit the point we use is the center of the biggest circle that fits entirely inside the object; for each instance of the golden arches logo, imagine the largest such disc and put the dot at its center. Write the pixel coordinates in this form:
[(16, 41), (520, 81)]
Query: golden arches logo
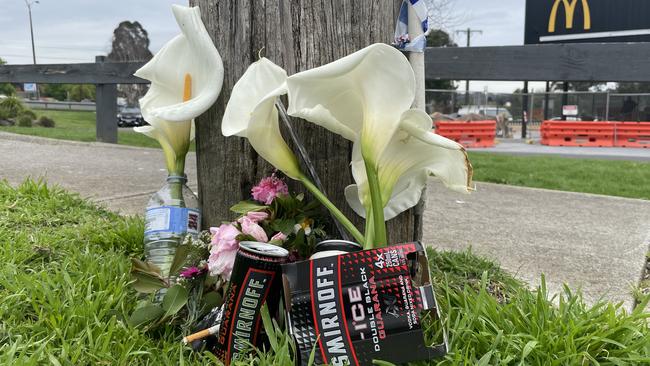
[(569, 10)]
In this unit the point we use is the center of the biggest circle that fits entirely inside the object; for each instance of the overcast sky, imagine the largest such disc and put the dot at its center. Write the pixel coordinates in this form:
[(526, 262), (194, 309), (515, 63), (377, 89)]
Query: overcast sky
[(77, 30)]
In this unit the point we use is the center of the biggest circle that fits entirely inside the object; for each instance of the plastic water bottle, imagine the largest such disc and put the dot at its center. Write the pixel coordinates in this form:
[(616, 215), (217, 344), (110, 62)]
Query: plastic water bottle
[(172, 213)]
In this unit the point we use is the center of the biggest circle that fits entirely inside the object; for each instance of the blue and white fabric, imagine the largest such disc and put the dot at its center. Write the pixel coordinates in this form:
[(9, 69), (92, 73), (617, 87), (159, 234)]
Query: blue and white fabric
[(402, 39)]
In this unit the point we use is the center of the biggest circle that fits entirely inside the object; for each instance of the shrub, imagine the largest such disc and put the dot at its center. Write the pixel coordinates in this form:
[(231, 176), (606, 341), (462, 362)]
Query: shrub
[(24, 121), (12, 106), (29, 113), (7, 89), (46, 122)]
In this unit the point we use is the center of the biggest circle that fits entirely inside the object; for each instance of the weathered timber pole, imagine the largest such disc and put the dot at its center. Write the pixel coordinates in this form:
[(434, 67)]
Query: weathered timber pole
[(297, 35)]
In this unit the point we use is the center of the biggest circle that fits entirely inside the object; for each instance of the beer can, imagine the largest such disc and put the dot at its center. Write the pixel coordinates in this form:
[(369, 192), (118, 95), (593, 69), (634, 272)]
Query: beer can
[(256, 278), (327, 248)]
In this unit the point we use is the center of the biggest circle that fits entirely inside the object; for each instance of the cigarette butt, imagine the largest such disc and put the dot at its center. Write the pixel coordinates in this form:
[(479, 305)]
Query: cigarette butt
[(201, 334)]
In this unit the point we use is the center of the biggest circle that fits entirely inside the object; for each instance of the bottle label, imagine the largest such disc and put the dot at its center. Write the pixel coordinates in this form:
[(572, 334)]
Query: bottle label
[(172, 219)]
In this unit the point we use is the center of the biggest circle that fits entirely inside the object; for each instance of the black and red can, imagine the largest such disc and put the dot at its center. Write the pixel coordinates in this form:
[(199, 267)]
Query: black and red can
[(256, 278)]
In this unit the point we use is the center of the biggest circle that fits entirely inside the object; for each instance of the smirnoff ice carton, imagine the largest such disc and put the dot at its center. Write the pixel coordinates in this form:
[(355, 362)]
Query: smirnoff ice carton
[(361, 306)]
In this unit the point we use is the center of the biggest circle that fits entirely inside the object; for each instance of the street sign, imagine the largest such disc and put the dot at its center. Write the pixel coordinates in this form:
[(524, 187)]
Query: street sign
[(574, 21), (29, 87), (569, 110)]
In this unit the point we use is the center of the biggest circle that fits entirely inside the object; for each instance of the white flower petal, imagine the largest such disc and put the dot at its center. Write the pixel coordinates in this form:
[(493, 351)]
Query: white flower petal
[(168, 149), (412, 154), (264, 135), (170, 116), (406, 194), (193, 53), (261, 78), (361, 95)]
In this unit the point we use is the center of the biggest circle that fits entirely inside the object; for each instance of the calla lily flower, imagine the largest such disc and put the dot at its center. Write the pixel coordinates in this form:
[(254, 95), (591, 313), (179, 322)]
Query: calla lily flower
[(360, 96), (365, 97), (251, 113), (413, 154), (186, 77)]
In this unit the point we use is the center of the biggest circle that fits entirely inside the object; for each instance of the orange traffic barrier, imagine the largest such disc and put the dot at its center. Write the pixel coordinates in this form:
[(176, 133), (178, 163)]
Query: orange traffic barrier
[(632, 134), (578, 133), (468, 134)]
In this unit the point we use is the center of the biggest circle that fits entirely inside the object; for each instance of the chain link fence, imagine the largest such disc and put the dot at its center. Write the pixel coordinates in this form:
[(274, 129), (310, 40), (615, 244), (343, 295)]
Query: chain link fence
[(589, 106), (536, 107)]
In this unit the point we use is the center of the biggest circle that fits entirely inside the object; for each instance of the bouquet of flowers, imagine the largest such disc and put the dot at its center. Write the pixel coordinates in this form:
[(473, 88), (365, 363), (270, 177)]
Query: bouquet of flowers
[(204, 264)]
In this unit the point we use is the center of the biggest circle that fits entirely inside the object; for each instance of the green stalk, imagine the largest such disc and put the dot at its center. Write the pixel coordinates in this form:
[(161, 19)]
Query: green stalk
[(377, 206), (370, 230), (347, 224), (176, 187)]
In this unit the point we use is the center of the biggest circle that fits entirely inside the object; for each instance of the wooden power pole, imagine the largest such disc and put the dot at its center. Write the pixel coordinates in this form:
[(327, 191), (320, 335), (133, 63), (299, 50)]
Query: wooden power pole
[(297, 35)]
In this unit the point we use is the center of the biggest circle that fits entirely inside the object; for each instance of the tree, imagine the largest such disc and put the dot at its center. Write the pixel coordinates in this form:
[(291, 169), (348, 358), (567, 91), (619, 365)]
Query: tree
[(130, 43), (296, 35), (56, 91), (79, 92), (6, 88)]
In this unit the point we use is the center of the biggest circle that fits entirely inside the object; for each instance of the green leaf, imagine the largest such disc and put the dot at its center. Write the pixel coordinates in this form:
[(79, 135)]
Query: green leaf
[(179, 259), (268, 327), (147, 283), (527, 349), (211, 300), (148, 267), (485, 360), (247, 206), (174, 300), (145, 315), (283, 225)]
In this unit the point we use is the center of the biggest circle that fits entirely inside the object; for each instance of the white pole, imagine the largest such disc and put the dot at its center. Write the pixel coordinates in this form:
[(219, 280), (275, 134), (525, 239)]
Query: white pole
[(416, 59)]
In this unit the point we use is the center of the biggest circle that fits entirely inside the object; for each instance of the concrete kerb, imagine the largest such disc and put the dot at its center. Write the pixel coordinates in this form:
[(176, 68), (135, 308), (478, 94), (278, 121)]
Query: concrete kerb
[(51, 141)]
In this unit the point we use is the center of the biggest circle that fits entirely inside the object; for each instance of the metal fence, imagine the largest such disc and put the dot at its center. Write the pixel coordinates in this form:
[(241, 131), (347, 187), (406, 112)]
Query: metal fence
[(591, 106), (62, 106)]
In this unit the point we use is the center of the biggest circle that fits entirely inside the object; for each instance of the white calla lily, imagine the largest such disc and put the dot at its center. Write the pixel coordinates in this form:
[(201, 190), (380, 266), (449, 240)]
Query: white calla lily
[(251, 113), (186, 77), (360, 96), (413, 154), (365, 97)]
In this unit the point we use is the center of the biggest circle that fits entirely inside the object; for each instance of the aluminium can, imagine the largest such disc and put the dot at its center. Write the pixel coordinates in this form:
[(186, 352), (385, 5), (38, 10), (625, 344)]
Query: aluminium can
[(332, 247), (256, 278)]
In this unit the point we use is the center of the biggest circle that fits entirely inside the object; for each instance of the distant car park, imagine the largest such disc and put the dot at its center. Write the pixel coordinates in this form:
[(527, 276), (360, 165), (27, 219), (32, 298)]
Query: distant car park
[(130, 117)]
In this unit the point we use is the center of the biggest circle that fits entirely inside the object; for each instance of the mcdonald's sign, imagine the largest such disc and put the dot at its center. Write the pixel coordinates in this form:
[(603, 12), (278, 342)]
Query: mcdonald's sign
[(570, 21)]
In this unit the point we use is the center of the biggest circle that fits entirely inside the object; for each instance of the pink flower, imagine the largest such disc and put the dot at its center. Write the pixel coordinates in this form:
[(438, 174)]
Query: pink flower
[(225, 235), (191, 272), (223, 251), (256, 216), (221, 262), (268, 189), (250, 227), (279, 238)]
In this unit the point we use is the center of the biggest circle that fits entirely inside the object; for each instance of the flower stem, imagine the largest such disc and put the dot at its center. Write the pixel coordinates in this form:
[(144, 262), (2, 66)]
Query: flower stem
[(347, 224), (377, 207), (369, 230)]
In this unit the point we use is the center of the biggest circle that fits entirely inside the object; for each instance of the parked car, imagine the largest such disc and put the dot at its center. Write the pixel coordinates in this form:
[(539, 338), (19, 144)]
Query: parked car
[(130, 117), (490, 111)]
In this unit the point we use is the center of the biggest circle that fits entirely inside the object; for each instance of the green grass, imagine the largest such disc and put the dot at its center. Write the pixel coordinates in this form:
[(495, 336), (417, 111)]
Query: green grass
[(609, 177), (78, 126), (64, 295)]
